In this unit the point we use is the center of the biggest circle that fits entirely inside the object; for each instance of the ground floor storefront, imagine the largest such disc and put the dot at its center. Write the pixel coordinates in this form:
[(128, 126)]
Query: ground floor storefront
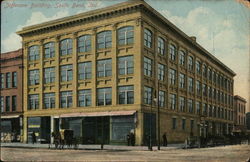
[(11, 128), (121, 127)]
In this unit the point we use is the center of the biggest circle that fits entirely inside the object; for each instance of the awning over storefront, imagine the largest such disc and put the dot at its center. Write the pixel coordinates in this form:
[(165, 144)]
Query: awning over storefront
[(9, 116), (104, 113)]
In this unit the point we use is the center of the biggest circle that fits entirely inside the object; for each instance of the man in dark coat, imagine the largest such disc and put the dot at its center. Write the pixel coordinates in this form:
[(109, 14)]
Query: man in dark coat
[(33, 137), (165, 141)]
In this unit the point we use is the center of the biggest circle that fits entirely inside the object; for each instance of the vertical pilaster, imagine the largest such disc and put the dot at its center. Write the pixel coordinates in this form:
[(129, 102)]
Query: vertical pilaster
[(114, 67), (94, 67), (25, 90), (41, 75), (57, 72), (75, 70)]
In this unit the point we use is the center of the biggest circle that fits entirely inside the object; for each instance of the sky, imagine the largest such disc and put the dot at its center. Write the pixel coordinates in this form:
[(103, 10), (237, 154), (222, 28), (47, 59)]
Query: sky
[(222, 27)]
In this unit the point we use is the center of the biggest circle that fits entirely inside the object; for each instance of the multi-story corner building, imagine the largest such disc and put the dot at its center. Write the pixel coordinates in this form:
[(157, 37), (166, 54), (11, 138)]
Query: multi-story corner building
[(101, 73), (239, 114), (11, 95)]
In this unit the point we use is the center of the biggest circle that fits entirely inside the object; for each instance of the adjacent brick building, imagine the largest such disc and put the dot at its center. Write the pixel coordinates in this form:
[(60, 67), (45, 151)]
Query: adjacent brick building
[(239, 114), (104, 73), (11, 94)]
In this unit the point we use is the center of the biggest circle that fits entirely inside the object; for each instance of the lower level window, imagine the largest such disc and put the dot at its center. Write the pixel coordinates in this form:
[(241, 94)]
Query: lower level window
[(126, 94), (33, 101), (66, 99), (84, 98), (104, 96)]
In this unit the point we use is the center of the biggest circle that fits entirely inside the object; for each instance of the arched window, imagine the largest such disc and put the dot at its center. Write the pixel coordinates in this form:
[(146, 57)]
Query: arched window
[(126, 35), (161, 46), (66, 47), (33, 53), (182, 58), (172, 52), (147, 38), (49, 50), (84, 43), (104, 39)]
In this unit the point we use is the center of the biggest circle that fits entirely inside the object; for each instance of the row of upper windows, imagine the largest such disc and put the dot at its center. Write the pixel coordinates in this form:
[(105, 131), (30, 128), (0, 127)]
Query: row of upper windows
[(8, 80), (8, 104), (148, 71), (104, 97), (84, 43), (104, 69), (201, 69)]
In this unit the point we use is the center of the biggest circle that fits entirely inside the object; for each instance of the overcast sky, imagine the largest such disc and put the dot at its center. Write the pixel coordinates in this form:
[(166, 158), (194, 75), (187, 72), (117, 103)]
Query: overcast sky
[(224, 22)]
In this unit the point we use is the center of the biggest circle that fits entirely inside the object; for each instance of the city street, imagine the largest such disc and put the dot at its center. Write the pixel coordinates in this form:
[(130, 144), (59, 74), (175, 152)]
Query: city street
[(234, 153)]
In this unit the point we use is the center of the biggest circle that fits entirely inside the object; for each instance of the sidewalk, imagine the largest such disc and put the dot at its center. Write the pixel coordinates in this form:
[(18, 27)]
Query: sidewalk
[(94, 147)]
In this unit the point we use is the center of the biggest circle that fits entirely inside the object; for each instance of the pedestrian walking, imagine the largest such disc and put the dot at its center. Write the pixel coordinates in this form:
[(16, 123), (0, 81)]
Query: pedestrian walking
[(128, 139), (33, 137), (165, 141), (132, 138)]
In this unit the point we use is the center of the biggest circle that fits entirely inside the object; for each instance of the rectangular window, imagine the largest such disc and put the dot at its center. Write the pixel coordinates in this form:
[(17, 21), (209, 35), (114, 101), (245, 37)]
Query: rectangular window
[(2, 81), (126, 65), (161, 46), (8, 80), (104, 96), (49, 75), (148, 95), (174, 125), (198, 87), (172, 76), (14, 79), (147, 38), (66, 99), (204, 109), (2, 103), (198, 107), (172, 101), (7, 103), (84, 98), (33, 77), (183, 124), (161, 69), (182, 104), (204, 89), (126, 94), (190, 106), (104, 68), (33, 102), (192, 125), (49, 100), (84, 70), (190, 84), (66, 73), (190, 63), (182, 80), (14, 103), (161, 98), (147, 66)]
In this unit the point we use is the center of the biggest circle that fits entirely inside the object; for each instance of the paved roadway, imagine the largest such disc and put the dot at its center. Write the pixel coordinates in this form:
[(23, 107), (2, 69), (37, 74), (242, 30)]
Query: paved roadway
[(235, 153)]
